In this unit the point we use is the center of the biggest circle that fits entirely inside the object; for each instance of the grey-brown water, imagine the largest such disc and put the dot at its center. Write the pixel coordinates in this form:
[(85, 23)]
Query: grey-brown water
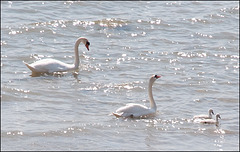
[(193, 45)]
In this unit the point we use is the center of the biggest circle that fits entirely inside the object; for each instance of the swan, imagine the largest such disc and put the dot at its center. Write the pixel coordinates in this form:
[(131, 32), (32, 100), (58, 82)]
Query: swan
[(211, 121), (209, 116), (137, 110), (52, 65)]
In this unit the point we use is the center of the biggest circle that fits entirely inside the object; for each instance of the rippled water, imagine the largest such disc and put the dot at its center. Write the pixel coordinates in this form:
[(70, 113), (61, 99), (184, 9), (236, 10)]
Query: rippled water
[(193, 45)]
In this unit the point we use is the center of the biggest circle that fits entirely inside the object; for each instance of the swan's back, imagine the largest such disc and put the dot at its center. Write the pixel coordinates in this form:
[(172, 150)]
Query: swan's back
[(202, 117), (49, 65), (133, 110)]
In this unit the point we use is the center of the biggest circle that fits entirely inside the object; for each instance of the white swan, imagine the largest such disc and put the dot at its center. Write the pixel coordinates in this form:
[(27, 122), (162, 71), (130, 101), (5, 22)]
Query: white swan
[(211, 121), (209, 116), (137, 110), (52, 65)]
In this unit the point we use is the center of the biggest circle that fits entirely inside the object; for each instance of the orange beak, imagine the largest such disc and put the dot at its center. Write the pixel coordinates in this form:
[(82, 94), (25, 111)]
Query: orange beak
[(156, 76), (87, 47)]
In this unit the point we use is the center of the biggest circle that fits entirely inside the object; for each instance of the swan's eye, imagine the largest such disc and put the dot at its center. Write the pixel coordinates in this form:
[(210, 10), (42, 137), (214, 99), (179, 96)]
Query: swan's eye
[(156, 76), (88, 43)]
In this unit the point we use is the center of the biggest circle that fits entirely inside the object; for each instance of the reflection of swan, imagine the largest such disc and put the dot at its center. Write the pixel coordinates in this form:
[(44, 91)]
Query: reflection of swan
[(211, 121), (209, 116), (52, 65), (137, 110)]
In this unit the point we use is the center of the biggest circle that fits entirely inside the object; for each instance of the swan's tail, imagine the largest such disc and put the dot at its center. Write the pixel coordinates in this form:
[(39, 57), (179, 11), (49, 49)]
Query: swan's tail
[(116, 114), (31, 68)]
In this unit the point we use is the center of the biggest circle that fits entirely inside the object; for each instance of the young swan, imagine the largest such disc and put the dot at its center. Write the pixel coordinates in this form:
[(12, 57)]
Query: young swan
[(211, 121), (209, 116), (52, 65), (137, 110)]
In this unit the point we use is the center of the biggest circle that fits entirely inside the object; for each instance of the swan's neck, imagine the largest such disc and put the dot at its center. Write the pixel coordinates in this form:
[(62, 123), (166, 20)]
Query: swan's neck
[(210, 115), (76, 62), (152, 102)]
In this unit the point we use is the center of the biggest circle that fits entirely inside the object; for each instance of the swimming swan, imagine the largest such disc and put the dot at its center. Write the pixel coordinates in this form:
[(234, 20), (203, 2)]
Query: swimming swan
[(52, 65), (209, 116), (211, 121), (137, 110)]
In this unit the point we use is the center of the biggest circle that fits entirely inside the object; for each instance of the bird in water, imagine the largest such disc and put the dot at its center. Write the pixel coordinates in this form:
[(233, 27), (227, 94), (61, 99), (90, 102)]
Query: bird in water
[(53, 65), (211, 121), (209, 116), (135, 110)]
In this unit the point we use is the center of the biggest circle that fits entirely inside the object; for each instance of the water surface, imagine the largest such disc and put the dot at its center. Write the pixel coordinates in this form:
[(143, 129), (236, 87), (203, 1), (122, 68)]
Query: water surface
[(193, 45)]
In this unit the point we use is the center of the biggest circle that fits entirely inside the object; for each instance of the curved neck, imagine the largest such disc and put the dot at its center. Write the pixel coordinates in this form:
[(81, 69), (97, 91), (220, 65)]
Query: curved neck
[(76, 61), (152, 102)]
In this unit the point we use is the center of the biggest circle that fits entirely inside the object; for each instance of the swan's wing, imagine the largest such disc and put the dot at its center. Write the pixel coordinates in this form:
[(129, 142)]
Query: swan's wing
[(134, 110), (201, 117), (208, 121), (50, 66), (132, 107)]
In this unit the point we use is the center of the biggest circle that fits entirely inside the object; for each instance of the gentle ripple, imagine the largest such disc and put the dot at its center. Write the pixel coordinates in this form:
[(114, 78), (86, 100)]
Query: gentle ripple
[(194, 45)]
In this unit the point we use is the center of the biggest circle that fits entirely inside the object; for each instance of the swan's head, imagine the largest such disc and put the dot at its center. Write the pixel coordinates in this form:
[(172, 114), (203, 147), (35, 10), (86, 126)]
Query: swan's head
[(154, 77), (87, 45), (210, 111), (218, 116), (84, 41)]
